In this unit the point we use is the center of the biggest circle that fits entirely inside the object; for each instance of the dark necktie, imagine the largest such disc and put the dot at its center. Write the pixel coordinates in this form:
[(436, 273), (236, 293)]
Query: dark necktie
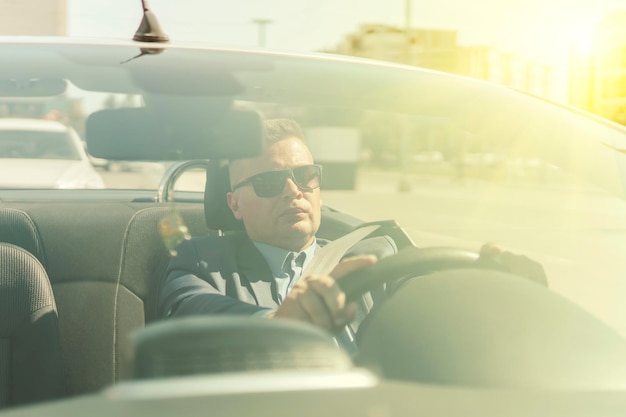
[(293, 268)]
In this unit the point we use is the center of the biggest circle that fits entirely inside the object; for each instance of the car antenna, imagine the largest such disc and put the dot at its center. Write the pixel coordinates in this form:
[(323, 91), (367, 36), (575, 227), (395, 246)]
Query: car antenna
[(149, 30)]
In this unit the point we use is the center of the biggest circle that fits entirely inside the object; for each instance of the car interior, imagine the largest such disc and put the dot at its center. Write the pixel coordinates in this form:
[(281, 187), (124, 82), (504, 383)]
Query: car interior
[(80, 270), (104, 288)]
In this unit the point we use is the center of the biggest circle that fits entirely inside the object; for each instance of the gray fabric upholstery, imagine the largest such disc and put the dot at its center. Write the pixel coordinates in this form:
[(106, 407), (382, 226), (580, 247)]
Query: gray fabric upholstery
[(30, 352), (216, 211), (5, 372), (18, 228), (103, 262), (143, 256), (143, 251)]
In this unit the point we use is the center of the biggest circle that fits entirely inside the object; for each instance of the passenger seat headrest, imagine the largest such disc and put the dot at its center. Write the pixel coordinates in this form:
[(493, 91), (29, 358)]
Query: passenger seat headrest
[(216, 211)]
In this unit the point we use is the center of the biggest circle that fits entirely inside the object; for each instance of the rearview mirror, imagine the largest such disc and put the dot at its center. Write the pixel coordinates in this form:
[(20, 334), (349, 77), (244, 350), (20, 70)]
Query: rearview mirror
[(137, 134)]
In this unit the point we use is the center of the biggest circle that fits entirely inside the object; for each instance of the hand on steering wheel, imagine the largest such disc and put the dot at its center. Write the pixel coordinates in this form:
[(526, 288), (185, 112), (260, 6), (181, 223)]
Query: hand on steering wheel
[(412, 262)]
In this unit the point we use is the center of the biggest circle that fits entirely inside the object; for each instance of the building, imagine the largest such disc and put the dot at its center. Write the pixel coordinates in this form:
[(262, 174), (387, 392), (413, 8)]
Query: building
[(30, 18), (428, 48), (33, 18), (598, 70), (579, 77), (38, 18), (489, 64), (438, 49)]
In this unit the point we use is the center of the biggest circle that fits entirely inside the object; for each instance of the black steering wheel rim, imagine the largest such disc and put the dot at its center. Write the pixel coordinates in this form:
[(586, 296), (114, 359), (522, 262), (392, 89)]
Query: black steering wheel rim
[(407, 263)]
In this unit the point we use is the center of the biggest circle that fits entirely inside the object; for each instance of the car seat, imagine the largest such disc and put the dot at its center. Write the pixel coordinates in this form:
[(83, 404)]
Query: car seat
[(31, 367)]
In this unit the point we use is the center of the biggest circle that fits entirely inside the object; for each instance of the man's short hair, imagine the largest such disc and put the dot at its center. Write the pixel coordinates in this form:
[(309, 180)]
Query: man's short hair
[(279, 129)]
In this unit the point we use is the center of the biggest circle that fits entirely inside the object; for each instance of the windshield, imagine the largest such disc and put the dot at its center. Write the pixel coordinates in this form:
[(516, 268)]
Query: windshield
[(538, 178), (92, 140)]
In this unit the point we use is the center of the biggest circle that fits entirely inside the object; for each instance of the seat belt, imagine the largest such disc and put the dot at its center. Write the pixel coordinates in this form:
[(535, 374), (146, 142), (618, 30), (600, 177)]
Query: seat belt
[(329, 255), (325, 260)]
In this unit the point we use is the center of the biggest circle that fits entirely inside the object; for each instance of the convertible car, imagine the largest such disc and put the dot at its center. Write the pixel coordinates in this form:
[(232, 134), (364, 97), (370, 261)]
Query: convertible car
[(441, 164)]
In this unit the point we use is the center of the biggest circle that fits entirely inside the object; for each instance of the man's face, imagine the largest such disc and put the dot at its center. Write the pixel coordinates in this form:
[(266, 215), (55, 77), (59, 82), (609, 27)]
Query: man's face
[(288, 220)]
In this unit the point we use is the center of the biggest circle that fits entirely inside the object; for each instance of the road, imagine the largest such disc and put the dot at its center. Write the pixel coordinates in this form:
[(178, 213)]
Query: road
[(578, 234)]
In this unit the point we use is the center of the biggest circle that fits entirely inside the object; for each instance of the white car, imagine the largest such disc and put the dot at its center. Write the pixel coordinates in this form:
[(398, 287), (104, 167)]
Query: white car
[(38, 153)]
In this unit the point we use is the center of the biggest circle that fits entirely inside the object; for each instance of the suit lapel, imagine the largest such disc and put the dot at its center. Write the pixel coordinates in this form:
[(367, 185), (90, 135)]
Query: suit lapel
[(255, 273)]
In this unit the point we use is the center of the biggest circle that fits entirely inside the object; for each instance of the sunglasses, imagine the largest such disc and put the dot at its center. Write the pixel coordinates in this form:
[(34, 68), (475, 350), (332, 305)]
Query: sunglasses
[(271, 183)]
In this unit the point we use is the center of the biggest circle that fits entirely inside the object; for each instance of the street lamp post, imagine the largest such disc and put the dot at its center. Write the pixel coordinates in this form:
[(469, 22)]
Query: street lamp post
[(404, 185), (262, 23)]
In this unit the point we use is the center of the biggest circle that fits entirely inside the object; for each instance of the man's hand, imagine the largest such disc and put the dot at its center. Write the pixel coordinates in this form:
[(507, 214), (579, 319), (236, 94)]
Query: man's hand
[(317, 299), (521, 265)]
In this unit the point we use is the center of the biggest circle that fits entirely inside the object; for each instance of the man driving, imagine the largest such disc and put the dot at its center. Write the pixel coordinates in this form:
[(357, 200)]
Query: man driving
[(277, 197), (260, 271)]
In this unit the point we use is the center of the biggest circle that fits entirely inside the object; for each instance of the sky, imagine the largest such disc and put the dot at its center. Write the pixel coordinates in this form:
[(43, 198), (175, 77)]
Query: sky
[(539, 30)]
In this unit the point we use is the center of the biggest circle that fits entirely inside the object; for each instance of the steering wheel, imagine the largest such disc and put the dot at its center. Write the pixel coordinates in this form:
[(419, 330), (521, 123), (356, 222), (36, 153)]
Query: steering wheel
[(480, 327), (407, 263)]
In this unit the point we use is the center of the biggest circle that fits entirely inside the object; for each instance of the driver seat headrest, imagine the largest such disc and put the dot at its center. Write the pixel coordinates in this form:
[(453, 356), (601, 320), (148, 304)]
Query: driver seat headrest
[(218, 215)]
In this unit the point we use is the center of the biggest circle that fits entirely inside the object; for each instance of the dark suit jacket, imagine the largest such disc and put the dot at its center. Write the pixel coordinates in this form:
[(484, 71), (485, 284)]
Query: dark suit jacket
[(228, 275)]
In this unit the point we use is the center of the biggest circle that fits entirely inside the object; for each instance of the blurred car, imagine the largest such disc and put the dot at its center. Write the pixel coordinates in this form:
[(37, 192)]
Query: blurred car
[(454, 338), (99, 163), (43, 154)]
